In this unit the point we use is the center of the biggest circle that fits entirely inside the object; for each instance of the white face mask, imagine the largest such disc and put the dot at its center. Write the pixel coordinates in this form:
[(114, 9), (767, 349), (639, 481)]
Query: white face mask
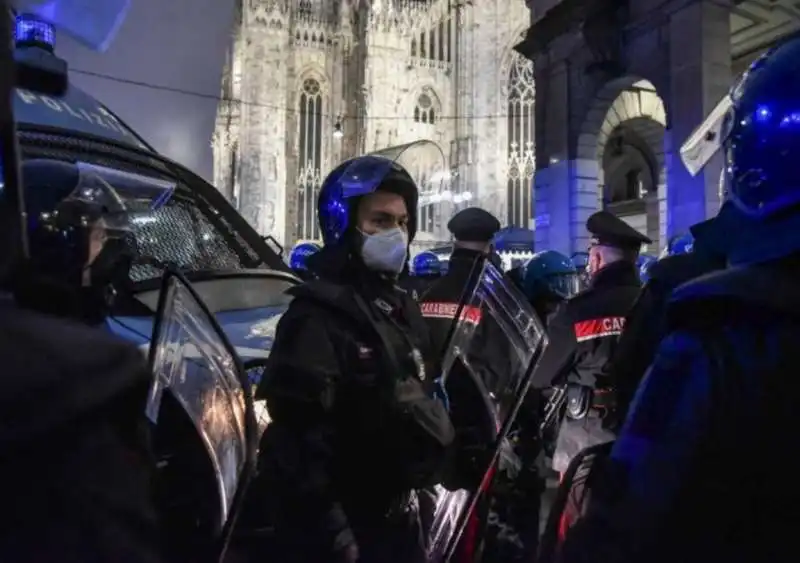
[(385, 251)]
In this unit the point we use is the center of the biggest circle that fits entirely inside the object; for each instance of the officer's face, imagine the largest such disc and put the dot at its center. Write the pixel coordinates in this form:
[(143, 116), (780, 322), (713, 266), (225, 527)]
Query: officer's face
[(382, 211)]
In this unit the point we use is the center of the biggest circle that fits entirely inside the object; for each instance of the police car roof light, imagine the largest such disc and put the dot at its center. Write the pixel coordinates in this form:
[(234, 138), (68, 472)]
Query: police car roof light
[(31, 31)]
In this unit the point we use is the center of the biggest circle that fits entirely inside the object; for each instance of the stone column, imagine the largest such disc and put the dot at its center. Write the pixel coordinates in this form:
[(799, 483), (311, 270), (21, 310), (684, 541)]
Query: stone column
[(551, 209), (700, 75)]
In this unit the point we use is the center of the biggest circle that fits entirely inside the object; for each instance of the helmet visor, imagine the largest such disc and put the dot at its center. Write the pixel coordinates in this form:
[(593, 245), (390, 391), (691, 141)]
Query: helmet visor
[(707, 139), (422, 160), (105, 197), (113, 196)]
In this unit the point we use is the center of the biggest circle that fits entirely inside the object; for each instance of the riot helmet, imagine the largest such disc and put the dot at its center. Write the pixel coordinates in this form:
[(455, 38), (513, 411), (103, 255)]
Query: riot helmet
[(427, 264), (679, 244), (757, 127), (552, 274), (382, 240), (79, 235), (300, 254)]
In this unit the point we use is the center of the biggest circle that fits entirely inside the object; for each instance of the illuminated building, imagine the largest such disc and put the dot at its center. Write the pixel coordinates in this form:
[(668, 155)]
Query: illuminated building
[(321, 81), (621, 85)]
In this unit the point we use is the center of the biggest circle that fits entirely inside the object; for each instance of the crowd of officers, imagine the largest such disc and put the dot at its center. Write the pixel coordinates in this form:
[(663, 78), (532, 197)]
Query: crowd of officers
[(676, 441)]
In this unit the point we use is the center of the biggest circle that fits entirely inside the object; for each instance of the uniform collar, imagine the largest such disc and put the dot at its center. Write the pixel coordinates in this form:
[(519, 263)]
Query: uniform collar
[(463, 258), (616, 274)]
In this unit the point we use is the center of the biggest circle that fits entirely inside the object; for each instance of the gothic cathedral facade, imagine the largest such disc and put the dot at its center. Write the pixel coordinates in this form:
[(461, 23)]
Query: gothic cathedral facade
[(309, 83)]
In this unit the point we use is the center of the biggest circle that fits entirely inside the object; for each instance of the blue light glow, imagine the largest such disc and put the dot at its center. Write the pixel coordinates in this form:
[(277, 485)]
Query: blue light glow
[(32, 30), (763, 114)]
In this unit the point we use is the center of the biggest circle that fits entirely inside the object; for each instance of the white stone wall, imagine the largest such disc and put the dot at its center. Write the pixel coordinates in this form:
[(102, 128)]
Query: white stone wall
[(366, 68)]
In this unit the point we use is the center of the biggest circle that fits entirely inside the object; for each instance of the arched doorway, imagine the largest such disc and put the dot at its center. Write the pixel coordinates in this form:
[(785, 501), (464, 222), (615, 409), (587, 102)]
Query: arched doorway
[(631, 174)]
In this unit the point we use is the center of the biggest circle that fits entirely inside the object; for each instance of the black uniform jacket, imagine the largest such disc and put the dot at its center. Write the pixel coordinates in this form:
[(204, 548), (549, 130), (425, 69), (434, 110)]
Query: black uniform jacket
[(75, 469), (489, 349), (326, 460), (724, 376), (645, 326), (584, 331)]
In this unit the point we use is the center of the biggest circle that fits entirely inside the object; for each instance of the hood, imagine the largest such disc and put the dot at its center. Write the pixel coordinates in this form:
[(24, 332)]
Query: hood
[(55, 370), (250, 331)]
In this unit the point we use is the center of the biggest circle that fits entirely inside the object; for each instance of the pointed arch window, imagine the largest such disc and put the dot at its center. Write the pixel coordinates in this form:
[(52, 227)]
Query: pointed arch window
[(424, 111), (521, 149), (309, 158)]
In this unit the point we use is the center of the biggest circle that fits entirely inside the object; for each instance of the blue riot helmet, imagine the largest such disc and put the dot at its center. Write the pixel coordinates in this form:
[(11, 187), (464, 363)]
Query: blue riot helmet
[(387, 170), (427, 264), (679, 244), (300, 255), (551, 272), (757, 126)]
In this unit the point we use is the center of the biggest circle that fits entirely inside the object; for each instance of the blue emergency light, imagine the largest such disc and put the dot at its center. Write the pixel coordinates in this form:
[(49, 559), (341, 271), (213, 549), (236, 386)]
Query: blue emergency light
[(31, 31)]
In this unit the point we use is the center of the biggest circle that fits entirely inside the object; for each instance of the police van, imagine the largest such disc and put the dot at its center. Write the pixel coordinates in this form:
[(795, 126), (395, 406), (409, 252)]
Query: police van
[(237, 273)]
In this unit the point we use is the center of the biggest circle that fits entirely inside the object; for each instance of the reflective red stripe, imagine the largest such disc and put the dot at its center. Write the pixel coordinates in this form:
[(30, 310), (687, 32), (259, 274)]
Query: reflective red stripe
[(445, 310), (598, 328)]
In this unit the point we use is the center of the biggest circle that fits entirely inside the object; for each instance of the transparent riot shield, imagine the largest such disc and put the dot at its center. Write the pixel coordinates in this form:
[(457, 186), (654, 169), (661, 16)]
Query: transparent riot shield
[(195, 367), (494, 316)]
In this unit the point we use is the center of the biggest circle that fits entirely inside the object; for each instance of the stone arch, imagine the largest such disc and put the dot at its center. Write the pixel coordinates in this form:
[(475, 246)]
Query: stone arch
[(629, 118)]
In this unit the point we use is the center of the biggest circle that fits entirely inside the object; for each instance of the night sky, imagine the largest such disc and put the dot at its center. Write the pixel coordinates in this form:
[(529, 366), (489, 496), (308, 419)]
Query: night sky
[(175, 43)]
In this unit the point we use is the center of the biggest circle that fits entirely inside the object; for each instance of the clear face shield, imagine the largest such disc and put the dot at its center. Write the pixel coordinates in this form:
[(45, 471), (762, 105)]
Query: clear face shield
[(707, 139), (104, 196), (423, 160)]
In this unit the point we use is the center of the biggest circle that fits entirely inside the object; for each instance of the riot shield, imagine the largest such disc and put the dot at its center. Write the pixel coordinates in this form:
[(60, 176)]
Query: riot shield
[(196, 368), (493, 308)]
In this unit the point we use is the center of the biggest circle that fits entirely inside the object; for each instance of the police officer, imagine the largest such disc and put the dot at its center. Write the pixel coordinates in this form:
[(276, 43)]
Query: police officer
[(501, 514), (584, 332), (355, 426), (726, 373), (473, 229), (427, 268), (81, 271), (75, 469), (549, 278)]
